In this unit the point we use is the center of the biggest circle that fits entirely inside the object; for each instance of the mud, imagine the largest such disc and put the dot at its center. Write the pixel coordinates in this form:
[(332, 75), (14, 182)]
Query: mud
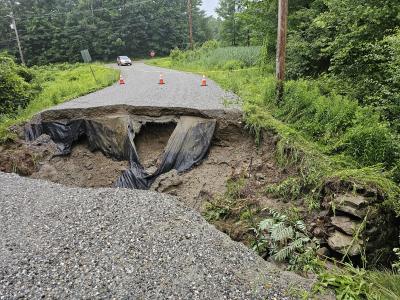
[(82, 168), (233, 153)]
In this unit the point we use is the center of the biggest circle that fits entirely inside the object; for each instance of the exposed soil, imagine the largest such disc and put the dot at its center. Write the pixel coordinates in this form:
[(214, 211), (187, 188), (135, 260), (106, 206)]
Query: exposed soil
[(23, 158), (233, 153), (81, 168), (229, 157), (151, 141)]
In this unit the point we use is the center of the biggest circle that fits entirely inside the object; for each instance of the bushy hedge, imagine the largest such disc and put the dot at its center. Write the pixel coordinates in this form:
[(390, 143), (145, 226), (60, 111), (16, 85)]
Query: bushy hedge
[(16, 86)]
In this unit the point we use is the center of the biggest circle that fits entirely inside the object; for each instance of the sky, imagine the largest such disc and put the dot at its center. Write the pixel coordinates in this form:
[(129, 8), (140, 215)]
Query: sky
[(209, 6)]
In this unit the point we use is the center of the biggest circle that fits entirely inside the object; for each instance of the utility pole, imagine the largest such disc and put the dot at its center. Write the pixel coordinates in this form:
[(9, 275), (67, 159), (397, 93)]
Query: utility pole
[(14, 26), (281, 48), (189, 8)]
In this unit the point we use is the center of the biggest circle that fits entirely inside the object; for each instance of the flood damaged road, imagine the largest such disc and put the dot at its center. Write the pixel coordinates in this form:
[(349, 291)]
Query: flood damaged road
[(77, 242), (142, 88)]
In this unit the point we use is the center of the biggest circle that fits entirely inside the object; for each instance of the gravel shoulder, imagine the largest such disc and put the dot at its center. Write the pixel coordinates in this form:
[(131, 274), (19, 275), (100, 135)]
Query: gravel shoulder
[(59, 242)]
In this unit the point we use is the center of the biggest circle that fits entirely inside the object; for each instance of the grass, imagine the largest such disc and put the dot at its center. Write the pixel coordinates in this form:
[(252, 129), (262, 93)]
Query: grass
[(59, 83), (358, 283), (325, 136)]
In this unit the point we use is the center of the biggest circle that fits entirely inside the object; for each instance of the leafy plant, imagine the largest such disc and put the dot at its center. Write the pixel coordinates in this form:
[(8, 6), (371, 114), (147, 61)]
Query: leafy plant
[(351, 283), (283, 240)]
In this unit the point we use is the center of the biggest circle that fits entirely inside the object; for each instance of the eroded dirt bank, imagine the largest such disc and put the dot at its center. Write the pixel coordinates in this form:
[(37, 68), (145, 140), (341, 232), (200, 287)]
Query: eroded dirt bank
[(232, 153), (101, 153)]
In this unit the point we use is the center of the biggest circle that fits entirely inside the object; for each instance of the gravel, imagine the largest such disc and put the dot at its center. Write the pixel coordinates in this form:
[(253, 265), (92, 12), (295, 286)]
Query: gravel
[(181, 89), (63, 243)]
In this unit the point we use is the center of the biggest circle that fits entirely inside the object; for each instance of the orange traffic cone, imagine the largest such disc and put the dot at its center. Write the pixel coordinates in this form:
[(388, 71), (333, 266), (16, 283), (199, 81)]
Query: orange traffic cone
[(204, 81), (121, 80), (161, 79)]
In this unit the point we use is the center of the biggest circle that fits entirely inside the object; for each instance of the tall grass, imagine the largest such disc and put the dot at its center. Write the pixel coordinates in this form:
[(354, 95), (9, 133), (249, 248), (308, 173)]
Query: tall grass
[(60, 83), (328, 136), (210, 57)]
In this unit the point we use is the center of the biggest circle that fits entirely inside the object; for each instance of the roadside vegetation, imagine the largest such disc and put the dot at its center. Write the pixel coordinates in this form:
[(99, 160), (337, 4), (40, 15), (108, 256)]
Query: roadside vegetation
[(326, 137), (27, 91)]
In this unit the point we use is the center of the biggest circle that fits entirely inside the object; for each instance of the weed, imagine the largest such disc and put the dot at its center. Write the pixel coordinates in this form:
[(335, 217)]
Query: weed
[(59, 83), (286, 240), (289, 189), (349, 282)]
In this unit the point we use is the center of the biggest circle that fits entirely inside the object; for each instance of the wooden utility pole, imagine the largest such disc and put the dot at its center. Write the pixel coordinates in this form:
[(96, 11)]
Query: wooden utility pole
[(189, 9), (14, 26), (281, 47)]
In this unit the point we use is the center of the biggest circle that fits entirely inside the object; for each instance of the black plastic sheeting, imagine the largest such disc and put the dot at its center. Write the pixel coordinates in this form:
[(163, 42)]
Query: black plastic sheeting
[(187, 146)]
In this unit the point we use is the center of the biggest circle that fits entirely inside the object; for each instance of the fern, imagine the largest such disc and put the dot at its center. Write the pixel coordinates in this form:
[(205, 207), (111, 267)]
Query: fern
[(282, 239), (281, 233)]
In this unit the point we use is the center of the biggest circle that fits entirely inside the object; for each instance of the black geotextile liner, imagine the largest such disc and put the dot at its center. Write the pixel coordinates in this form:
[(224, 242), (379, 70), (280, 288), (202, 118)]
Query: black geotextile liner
[(187, 146)]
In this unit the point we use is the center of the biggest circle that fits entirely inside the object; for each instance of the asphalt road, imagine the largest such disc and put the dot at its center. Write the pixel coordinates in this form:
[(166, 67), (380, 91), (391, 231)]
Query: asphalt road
[(141, 88), (71, 243)]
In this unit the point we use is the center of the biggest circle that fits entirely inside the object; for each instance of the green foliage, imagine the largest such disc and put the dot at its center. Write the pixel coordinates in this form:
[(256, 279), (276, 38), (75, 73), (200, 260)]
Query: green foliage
[(356, 283), (355, 43), (350, 283), (233, 31), (56, 31), (224, 205), (59, 83), (289, 189), (286, 240), (16, 86), (209, 56), (337, 123)]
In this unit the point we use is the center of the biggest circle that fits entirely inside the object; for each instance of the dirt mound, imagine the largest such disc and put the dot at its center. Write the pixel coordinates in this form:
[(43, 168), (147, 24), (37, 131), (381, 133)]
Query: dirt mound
[(82, 168), (23, 158)]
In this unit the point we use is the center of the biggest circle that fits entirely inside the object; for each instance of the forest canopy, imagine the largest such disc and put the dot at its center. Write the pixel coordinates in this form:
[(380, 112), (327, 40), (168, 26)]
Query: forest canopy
[(56, 31)]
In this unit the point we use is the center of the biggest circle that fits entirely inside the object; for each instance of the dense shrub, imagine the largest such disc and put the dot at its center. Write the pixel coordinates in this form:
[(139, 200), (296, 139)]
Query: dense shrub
[(16, 86), (336, 122), (355, 43)]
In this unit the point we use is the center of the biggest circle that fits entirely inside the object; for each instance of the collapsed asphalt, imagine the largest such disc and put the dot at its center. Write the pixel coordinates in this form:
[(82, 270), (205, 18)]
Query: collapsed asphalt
[(63, 243)]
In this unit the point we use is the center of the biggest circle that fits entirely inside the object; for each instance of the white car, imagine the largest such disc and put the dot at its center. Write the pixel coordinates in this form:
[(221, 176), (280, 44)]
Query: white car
[(124, 61)]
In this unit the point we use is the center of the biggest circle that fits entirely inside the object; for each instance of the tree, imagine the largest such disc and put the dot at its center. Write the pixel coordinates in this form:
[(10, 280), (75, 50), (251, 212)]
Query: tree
[(56, 31), (232, 27)]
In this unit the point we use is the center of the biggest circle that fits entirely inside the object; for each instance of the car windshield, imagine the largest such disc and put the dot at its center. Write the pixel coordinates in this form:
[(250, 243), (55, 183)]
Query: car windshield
[(124, 57)]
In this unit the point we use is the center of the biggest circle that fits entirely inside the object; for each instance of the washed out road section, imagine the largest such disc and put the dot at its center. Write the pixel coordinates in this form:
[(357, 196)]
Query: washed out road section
[(141, 88), (63, 243)]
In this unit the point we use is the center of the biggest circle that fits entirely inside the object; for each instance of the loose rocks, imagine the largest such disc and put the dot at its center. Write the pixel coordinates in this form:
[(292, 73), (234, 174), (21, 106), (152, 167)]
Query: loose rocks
[(63, 243)]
